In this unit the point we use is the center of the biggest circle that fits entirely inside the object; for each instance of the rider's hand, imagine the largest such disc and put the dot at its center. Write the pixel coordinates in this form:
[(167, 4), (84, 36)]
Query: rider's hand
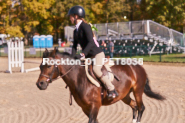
[(77, 56), (80, 56)]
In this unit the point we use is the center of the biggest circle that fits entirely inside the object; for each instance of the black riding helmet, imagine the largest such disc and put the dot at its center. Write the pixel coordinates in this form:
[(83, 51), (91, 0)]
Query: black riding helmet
[(77, 10)]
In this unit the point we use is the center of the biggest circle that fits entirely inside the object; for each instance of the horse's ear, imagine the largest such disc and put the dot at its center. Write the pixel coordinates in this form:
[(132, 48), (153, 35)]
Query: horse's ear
[(46, 50), (45, 53), (54, 52)]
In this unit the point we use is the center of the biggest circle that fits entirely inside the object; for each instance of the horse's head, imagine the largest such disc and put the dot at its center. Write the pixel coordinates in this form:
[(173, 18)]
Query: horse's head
[(48, 71)]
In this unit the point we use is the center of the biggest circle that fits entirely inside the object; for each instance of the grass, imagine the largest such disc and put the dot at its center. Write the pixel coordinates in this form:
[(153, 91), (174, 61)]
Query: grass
[(173, 58), (37, 55)]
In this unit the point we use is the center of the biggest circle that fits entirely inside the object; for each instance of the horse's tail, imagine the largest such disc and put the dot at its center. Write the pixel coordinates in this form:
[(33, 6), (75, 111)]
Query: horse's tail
[(150, 93)]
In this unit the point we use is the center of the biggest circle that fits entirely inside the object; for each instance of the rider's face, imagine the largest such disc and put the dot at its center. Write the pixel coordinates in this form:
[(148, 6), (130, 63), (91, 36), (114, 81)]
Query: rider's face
[(72, 19)]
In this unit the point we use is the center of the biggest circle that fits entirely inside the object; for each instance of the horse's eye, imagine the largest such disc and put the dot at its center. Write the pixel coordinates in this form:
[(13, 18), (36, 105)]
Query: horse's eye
[(49, 66)]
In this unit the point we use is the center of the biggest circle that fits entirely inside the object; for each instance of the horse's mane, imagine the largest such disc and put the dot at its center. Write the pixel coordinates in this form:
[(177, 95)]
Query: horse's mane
[(62, 54)]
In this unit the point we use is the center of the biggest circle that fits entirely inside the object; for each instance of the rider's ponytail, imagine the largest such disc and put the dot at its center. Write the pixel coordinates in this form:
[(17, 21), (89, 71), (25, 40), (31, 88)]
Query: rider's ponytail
[(88, 23), (84, 20)]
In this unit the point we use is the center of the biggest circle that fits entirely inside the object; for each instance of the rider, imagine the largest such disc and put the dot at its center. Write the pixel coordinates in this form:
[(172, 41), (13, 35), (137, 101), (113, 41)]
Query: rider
[(90, 48)]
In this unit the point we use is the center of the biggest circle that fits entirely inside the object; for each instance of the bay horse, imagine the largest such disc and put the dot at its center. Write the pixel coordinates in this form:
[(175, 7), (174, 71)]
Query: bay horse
[(88, 96)]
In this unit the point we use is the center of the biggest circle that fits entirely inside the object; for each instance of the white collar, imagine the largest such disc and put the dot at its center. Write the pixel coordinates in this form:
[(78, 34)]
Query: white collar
[(78, 24)]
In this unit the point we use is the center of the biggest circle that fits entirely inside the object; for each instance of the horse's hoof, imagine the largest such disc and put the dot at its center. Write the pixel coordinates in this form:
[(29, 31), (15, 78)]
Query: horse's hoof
[(97, 121), (134, 120)]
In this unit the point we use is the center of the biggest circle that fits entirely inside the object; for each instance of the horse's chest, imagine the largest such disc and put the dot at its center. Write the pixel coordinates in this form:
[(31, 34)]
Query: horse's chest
[(80, 100), (84, 98)]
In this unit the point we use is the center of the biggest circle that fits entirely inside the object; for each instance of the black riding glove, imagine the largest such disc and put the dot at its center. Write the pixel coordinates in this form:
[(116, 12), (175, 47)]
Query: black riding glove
[(78, 56)]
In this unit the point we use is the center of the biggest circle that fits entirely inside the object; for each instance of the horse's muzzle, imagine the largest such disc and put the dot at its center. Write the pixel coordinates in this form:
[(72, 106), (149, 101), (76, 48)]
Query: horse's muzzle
[(42, 85)]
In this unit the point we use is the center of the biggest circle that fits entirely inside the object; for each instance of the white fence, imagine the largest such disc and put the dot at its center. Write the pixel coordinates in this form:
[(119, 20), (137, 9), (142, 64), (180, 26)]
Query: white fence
[(15, 55)]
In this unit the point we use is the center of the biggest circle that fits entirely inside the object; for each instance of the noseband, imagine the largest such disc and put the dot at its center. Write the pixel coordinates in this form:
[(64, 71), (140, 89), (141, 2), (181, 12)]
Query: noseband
[(49, 78)]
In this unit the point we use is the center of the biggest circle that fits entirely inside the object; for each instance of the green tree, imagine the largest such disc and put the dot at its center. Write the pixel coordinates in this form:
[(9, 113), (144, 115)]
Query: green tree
[(170, 13), (8, 19), (37, 14)]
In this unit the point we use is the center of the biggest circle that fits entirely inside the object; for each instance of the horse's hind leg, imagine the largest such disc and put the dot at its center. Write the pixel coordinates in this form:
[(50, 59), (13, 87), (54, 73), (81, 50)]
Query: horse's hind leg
[(138, 96), (127, 100)]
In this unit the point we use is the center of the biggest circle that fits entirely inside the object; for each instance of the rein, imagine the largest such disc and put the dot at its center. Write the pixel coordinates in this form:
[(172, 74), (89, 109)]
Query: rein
[(59, 76)]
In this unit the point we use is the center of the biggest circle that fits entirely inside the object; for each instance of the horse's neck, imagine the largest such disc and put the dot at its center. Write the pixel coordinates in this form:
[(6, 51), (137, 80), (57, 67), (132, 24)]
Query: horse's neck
[(69, 80), (73, 81)]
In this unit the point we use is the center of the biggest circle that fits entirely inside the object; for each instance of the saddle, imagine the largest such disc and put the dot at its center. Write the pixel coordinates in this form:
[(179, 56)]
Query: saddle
[(105, 70), (96, 81)]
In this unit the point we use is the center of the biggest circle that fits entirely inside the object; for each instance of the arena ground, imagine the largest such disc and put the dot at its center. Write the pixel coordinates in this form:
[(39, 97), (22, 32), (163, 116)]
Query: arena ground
[(22, 102)]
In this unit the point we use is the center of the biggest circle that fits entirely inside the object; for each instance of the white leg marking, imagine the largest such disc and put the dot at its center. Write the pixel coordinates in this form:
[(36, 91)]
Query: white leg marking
[(134, 120)]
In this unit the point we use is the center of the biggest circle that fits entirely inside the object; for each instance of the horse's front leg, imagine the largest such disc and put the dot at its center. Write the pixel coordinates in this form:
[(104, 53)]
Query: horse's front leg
[(92, 113)]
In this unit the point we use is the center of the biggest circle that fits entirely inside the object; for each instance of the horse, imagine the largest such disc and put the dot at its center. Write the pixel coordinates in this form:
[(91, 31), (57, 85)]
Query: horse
[(133, 78)]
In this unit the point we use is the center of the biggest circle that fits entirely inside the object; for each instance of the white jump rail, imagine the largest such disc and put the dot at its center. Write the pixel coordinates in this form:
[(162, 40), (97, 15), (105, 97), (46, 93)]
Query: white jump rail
[(31, 69)]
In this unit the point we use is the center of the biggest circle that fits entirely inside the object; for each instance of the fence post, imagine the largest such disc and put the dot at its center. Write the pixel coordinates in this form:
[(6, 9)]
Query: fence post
[(22, 56), (9, 57)]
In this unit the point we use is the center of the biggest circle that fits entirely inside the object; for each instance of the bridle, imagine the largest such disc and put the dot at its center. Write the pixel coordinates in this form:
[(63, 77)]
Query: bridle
[(59, 76), (49, 78)]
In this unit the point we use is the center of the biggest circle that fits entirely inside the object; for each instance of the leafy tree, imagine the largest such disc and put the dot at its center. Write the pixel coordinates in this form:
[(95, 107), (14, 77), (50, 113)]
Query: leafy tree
[(170, 13), (50, 16), (8, 19), (37, 14)]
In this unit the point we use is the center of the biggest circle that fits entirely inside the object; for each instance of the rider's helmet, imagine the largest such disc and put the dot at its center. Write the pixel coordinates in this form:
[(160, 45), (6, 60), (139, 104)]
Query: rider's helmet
[(77, 10)]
